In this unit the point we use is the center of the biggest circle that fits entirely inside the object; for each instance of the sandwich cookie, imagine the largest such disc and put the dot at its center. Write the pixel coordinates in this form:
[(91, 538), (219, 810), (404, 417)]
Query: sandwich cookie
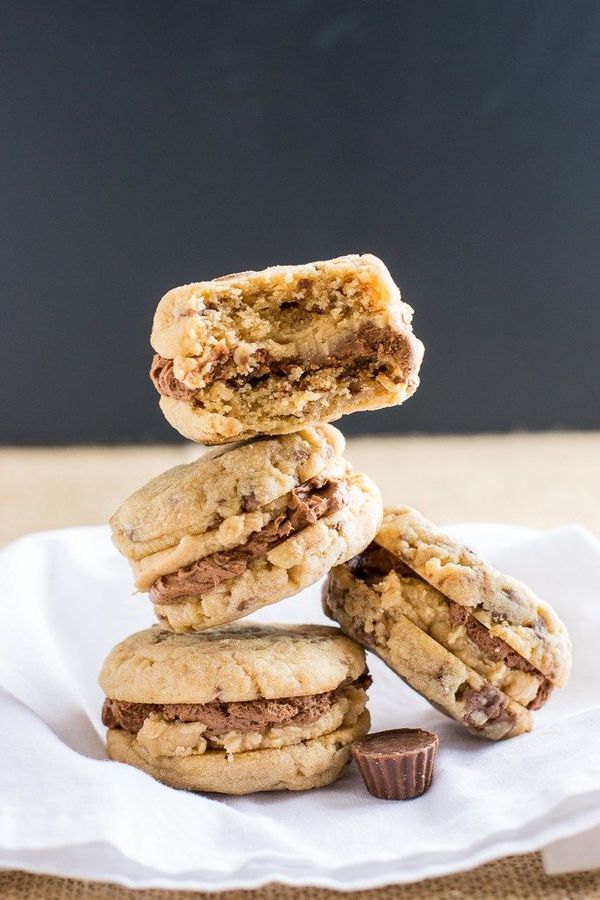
[(237, 709), (266, 352), (239, 529), (477, 644)]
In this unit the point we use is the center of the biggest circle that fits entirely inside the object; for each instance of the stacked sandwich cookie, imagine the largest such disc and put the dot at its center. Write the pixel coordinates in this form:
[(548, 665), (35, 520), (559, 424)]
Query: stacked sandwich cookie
[(219, 538), (237, 709), (260, 362)]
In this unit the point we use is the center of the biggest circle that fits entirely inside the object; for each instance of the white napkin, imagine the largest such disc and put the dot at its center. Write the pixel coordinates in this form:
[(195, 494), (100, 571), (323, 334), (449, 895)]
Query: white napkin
[(66, 599)]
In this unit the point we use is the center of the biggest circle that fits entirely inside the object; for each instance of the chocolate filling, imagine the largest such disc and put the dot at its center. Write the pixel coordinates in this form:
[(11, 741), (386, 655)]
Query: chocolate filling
[(376, 562), (488, 704), (163, 379), (220, 718), (371, 341), (309, 502), (487, 701)]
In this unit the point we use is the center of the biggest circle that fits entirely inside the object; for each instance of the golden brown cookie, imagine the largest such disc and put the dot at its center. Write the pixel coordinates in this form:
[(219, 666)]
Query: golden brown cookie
[(237, 709), (216, 539), (476, 643), (267, 352), (418, 659), (506, 608)]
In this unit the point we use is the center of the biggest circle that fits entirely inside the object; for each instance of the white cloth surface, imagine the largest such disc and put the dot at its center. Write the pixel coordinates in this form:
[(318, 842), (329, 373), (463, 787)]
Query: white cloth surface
[(579, 853), (64, 809)]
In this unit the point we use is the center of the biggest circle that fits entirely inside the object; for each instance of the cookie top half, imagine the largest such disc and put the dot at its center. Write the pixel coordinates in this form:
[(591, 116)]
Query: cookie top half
[(183, 324), (243, 661), (220, 487), (504, 605)]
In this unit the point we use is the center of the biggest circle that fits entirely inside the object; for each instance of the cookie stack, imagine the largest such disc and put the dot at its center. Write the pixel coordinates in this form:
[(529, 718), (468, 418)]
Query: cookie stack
[(260, 363)]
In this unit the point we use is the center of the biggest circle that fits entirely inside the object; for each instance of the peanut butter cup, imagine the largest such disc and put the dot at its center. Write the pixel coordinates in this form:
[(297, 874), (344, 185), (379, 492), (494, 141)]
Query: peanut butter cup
[(397, 764)]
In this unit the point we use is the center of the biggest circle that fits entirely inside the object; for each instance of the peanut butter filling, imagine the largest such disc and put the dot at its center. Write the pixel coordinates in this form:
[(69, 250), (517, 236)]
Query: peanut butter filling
[(308, 503), (376, 563)]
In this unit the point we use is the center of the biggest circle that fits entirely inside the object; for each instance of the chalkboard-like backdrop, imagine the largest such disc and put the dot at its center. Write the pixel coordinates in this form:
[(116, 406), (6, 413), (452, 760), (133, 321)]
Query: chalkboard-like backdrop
[(147, 144)]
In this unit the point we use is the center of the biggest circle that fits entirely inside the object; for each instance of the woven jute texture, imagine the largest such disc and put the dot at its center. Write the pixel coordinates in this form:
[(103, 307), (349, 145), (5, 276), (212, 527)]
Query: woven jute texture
[(542, 480), (515, 878)]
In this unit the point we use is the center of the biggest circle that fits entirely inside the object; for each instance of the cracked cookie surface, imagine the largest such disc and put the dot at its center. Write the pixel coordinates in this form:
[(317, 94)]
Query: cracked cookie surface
[(244, 661), (236, 709), (507, 608), (213, 494)]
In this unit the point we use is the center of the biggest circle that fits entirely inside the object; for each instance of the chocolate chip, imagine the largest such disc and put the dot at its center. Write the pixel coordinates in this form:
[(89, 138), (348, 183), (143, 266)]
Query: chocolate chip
[(215, 521), (487, 704), (246, 604), (513, 596), (249, 502)]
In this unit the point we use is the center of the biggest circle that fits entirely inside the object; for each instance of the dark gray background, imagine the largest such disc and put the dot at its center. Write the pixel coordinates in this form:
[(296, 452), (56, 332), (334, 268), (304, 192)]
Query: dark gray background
[(148, 144)]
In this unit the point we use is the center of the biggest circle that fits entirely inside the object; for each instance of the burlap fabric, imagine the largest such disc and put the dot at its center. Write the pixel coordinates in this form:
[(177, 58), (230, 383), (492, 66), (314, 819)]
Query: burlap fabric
[(516, 878), (538, 480)]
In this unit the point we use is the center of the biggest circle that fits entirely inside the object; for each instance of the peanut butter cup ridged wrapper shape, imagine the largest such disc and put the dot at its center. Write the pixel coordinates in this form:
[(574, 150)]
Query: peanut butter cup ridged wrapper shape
[(397, 764)]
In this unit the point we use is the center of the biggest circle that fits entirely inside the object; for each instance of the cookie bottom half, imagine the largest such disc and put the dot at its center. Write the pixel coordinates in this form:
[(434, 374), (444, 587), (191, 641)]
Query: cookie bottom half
[(297, 767), (273, 408), (453, 626), (288, 568), (437, 674)]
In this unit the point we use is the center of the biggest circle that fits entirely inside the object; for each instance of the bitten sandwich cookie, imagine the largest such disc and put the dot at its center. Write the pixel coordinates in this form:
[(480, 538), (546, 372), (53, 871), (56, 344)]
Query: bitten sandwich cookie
[(267, 352), (474, 642), (237, 709), (239, 529)]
